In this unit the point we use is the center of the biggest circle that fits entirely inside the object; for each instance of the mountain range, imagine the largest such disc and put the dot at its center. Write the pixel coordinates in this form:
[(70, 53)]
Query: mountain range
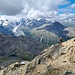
[(43, 30), (22, 40), (69, 22)]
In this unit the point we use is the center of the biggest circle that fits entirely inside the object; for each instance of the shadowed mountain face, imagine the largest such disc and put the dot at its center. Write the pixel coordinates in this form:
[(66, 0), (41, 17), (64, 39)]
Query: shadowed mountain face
[(57, 28), (19, 47), (10, 44), (5, 31), (50, 33)]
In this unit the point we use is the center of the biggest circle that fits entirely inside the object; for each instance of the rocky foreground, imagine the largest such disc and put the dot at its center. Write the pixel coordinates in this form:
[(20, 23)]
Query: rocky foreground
[(59, 59)]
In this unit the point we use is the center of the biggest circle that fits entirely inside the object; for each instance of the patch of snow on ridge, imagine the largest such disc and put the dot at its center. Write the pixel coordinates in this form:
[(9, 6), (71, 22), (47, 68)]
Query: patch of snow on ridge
[(5, 23), (15, 28)]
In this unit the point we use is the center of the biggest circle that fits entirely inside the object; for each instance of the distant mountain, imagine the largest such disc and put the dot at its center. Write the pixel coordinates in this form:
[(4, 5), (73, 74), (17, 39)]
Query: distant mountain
[(56, 28), (36, 23), (5, 31), (22, 24), (50, 33), (43, 30), (68, 22), (19, 47)]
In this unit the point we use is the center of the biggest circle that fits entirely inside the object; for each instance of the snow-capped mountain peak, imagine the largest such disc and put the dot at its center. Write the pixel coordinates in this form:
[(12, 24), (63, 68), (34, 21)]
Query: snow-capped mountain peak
[(43, 30)]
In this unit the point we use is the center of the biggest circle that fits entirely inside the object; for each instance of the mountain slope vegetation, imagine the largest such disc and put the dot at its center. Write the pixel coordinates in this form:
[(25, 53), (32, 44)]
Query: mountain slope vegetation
[(19, 47)]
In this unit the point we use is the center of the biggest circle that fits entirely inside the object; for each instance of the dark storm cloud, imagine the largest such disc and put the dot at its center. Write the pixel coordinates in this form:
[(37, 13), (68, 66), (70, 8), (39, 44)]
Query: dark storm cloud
[(11, 7)]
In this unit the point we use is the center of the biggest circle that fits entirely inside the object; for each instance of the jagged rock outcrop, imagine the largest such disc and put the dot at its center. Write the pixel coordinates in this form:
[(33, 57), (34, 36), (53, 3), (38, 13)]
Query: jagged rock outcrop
[(59, 59)]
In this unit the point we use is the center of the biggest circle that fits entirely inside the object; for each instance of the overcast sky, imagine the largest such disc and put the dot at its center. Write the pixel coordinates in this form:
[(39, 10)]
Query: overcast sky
[(38, 8)]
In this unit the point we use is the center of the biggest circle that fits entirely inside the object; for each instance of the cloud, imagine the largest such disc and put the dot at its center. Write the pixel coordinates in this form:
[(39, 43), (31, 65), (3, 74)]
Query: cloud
[(41, 8), (32, 8), (67, 16), (73, 6), (65, 10), (10, 7)]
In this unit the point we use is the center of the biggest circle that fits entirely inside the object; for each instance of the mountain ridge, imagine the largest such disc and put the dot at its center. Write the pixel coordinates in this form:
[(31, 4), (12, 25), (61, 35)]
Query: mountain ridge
[(42, 30)]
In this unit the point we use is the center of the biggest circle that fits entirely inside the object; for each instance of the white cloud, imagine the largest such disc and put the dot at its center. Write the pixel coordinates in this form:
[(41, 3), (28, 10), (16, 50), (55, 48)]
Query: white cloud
[(73, 5), (41, 8), (67, 16), (10, 18), (32, 8)]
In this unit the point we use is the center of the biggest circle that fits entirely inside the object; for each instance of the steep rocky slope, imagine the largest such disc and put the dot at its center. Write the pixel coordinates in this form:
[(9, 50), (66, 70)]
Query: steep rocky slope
[(59, 59)]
